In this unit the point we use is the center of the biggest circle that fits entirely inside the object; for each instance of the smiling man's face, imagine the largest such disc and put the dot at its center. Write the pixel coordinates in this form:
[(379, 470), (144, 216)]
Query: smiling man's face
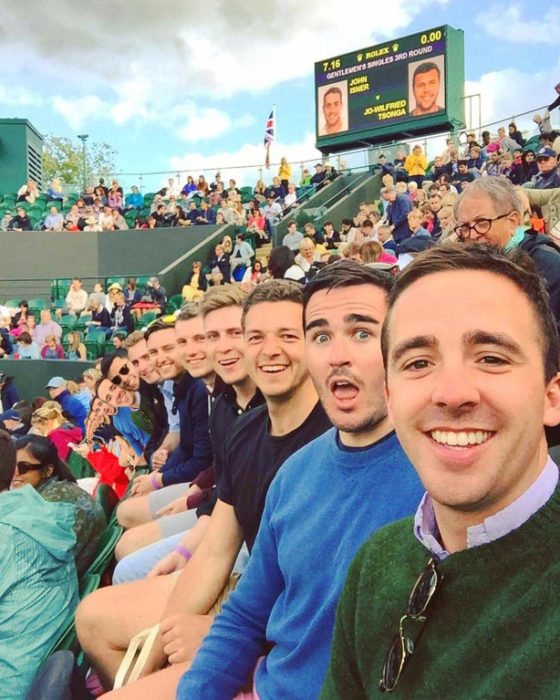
[(466, 389), (275, 347)]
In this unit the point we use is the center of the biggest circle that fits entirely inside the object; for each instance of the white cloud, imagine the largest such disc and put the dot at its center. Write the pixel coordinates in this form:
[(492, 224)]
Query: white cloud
[(15, 96), (78, 111), (511, 91), (507, 23), (225, 48)]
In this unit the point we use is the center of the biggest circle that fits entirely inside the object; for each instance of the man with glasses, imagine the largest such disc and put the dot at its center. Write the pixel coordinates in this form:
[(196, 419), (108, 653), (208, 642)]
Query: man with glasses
[(125, 402), (491, 211), (469, 389), (194, 453)]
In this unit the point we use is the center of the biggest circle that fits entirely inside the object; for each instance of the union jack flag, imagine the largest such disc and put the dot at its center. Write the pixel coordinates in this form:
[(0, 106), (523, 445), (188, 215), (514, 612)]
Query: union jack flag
[(269, 132)]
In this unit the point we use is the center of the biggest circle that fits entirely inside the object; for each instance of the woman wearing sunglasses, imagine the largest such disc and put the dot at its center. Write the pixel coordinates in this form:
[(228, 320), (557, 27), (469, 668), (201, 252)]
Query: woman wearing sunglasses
[(38, 464)]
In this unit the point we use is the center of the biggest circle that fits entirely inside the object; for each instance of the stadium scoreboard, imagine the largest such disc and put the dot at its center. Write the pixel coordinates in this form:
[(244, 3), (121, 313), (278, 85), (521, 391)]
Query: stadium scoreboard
[(412, 86)]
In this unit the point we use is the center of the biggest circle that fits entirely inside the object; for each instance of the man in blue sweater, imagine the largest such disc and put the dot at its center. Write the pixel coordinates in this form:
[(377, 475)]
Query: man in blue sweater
[(321, 507)]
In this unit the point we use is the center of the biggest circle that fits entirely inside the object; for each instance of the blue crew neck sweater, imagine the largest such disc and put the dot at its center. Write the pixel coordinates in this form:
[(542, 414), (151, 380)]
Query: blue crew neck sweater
[(324, 503)]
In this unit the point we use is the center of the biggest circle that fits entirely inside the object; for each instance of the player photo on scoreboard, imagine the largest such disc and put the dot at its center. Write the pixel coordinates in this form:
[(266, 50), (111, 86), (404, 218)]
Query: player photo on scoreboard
[(332, 108), (426, 86)]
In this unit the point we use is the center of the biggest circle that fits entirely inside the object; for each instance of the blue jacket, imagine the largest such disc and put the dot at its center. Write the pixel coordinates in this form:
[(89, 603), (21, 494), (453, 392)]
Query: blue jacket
[(74, 408), (396, 213), (136, 437), (9, 394), (323, 504), (194, 453)]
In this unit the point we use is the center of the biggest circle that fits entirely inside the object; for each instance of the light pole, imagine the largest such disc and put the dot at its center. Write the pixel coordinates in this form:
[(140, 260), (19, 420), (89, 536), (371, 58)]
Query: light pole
[(83, 138)]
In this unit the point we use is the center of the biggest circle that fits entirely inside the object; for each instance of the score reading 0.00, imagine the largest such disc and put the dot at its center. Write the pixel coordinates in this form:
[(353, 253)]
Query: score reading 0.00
[(400, 80)]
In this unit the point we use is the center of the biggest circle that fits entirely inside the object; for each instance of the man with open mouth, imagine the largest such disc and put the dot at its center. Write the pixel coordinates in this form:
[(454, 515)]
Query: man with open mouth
[(472, 355), (324, 502)]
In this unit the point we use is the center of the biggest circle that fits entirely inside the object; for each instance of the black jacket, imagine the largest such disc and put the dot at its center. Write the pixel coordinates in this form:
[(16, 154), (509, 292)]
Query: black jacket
[(546, 256)]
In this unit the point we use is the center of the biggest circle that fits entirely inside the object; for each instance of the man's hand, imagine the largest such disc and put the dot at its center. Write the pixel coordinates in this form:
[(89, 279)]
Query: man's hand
[(179, 505), (159, 458), (156, 659), (168, 565), (143, 484), (82, 449), (183, 634)]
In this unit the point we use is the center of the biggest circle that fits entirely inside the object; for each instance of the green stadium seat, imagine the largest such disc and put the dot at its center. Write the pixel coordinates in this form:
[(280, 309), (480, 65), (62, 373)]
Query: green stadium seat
[(145, 319), (115, 280), (246, 194), (67, 322), (108, 347), (55, 203), (111, 535), (60, 282), (142, 281), (12, 303), (177, 300), (107, 499), (79, 466), (39, 303), (81, 322)]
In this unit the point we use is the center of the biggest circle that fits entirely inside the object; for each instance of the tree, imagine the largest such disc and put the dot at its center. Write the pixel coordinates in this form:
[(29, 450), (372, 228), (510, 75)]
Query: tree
[(63, 158)]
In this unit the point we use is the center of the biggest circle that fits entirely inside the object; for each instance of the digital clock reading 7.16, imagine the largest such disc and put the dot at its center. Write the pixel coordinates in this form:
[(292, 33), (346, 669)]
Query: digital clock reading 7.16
[(333, 64)]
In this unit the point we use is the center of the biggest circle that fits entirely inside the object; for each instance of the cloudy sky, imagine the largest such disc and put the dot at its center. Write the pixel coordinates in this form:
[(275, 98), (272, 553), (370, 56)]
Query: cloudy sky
[(189, 85)]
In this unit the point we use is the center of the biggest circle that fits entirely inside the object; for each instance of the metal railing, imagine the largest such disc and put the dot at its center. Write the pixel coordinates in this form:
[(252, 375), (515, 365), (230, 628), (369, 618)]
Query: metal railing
[(348, 160)]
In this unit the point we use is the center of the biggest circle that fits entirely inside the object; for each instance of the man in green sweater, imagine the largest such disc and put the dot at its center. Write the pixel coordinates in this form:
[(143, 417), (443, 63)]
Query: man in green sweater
[(461, 601)]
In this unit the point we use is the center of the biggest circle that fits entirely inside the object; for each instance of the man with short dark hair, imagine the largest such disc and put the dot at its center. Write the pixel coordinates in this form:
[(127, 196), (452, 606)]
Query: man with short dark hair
[(194, 452), (319, 177), (469, 394), (333, 112), (288, 593), (259, 443), (463, 176), (293, 237), (20, 222), (425, 88)]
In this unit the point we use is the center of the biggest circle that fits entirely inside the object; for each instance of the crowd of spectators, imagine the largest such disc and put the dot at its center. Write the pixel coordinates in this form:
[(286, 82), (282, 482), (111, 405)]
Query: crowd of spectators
[(271, 360), (64, 332), (197, 203)]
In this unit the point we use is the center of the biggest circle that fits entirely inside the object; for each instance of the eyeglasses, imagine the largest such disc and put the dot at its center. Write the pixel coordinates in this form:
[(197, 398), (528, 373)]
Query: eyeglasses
[(24, 467), (402, 646), (123, 371), (481, 226)]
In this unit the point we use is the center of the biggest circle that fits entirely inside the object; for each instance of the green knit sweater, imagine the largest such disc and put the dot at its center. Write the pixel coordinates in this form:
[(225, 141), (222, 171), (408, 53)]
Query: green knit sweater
[(493, 626)]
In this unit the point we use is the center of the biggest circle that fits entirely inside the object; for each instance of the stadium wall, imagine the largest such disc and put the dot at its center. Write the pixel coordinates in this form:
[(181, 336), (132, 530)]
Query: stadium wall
[(31, 376)]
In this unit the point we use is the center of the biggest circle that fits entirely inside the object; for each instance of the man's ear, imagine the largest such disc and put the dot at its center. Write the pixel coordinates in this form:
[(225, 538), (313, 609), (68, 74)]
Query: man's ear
[(388, 402), (552, 402)]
